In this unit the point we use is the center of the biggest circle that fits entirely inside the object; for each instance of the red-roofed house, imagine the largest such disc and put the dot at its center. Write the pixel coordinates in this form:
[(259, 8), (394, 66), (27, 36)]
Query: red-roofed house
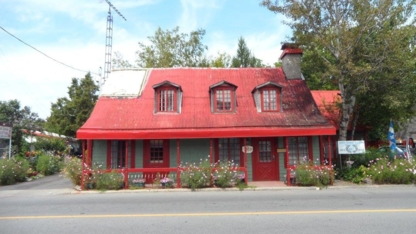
[(151, 120)]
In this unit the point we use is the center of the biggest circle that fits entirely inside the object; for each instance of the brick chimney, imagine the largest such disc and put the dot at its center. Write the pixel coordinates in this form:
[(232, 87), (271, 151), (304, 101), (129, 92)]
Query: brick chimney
[(291, 59)]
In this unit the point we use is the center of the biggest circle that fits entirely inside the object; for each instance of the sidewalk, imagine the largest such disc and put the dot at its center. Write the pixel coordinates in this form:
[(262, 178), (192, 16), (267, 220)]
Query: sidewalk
[(252, 186)]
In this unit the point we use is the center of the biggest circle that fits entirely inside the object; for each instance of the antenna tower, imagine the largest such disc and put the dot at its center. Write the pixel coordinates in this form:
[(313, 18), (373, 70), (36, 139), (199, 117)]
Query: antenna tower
[(109, 40)]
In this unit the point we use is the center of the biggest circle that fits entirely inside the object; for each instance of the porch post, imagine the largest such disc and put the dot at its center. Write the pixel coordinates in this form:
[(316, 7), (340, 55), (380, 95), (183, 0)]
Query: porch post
[(126, 167), (82, 164), (210, 150), (330, 150), (288, 174), (178, 163), (245, 161)]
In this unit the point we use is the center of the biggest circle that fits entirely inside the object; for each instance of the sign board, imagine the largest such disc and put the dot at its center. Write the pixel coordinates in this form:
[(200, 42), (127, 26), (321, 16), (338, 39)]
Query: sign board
[(282, 150), (5, 132), (351, 147), (247, 149)]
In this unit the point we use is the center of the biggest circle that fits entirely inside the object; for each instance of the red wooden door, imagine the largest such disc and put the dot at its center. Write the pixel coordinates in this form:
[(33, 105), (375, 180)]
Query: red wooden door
[(265, 162), (156, 155)]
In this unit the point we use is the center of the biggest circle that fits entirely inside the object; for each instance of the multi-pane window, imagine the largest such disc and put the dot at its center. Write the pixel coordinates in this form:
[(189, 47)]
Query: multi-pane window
[(265, 151), (270, 100), (298, 149), (118, 153), (223, 99), (229, 150), (166, 100), (156, 151)]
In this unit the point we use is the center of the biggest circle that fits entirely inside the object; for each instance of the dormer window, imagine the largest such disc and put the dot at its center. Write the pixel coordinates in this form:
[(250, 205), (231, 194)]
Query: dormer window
[(168, 97), (223, 97), (268, 97)]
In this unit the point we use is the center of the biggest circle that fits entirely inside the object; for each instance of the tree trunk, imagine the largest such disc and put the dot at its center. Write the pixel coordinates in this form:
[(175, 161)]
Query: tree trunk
[(348, 102)]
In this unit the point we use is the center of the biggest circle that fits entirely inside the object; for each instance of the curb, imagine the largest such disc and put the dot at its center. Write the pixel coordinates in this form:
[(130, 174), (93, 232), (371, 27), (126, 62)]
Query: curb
[(174, 190)]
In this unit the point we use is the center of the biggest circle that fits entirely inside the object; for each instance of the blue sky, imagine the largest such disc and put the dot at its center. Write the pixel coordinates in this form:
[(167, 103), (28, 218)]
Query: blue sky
[(74, 31)]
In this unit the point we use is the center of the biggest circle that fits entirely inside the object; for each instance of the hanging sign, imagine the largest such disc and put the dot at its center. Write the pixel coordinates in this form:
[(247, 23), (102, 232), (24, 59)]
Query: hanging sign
[(247, 149), (5, 132), (351, 147)]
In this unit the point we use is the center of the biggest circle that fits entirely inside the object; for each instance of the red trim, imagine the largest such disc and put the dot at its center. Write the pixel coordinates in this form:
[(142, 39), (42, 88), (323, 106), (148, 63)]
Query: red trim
[(202, 133)]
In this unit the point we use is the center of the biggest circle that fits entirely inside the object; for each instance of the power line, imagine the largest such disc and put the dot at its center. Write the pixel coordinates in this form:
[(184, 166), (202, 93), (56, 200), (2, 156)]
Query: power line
[(46, 54)]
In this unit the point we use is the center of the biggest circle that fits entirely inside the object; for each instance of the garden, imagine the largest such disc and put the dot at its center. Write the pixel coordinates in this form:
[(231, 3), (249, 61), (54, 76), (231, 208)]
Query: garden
[(221, 174), (30, 164), (373, 167)]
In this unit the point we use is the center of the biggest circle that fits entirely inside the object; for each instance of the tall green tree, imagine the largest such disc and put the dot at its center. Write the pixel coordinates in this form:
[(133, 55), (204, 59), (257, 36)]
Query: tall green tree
[(21, 118), (244, 57), (68, 114), (171, 48), (364, 47)]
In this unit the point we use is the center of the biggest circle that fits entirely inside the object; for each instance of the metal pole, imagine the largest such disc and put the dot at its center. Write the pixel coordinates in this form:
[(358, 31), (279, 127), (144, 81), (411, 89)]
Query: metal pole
[(10, 143)]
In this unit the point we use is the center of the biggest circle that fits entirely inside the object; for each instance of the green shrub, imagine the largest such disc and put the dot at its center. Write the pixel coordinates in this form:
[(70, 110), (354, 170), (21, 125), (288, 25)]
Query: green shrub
[(13, 170), (72, 169), (307, 174), (355, 175), (224, 174), (398, 171), (196, 176), (109, 181), (48, 164)]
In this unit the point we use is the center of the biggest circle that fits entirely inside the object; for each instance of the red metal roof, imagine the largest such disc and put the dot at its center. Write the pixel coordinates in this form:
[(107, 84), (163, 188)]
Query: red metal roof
[(134, 118), (327, 101)]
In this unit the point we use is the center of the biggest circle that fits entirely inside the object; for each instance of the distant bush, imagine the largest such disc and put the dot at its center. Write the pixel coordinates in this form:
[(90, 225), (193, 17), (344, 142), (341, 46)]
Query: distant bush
[(48, 164), (72, 169)]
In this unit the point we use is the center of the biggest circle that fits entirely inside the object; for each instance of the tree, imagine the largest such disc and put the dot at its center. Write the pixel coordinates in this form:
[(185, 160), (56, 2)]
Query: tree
[(20, 119), (120, 62), (173, 49), (69, 114), (363, 47), (222, 60), (244, 57)]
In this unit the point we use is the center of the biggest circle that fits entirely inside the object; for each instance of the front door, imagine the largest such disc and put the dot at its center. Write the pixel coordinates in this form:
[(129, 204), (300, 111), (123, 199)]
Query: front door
[(265, 162), (156, 155)]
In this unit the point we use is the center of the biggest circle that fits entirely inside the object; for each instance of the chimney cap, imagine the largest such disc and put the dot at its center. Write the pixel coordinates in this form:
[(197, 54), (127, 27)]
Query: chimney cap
[(290, 48)]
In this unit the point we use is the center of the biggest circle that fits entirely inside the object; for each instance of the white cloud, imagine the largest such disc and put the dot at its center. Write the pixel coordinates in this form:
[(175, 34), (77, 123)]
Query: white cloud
[(196, 14)]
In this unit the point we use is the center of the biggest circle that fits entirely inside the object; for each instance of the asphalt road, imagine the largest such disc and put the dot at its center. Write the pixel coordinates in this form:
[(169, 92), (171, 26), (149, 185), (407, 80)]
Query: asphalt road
[(385, 209)]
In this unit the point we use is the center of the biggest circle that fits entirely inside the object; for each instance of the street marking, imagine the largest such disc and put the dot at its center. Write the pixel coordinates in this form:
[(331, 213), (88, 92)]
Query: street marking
[(205, 214)]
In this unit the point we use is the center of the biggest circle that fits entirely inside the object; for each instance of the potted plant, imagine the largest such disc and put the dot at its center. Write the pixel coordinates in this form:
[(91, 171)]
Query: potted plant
[(166, 182)]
